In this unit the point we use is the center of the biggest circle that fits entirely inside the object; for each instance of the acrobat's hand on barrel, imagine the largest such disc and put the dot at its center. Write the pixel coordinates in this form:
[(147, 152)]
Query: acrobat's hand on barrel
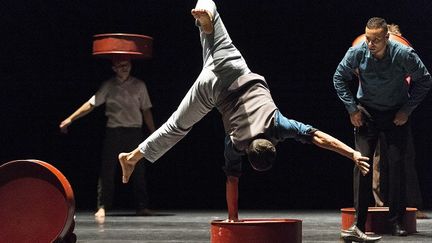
[(232, 220)]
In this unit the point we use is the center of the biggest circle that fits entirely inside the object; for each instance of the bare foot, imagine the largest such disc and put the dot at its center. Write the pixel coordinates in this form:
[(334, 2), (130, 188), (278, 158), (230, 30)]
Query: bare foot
[(100, 221), (127, 165), (100, 213), (204, 18)]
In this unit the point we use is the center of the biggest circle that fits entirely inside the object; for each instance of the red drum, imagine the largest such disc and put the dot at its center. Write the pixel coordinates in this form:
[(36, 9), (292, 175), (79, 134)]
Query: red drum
[(397, 38), (377, 220), (257, 231), (36, 203), (126, 46)]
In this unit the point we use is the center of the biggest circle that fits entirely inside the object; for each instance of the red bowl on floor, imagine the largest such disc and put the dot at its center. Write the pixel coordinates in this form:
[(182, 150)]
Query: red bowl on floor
[(36, 202)]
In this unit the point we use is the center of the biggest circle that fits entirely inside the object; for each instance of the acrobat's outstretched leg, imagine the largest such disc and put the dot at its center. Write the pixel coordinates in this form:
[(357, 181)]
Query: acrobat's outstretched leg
[(204, 18)]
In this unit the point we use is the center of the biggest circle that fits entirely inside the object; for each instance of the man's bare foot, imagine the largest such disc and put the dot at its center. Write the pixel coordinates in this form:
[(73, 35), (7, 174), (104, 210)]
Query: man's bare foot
[(100, 221), (127, 166), (204, 18), (100, 213)]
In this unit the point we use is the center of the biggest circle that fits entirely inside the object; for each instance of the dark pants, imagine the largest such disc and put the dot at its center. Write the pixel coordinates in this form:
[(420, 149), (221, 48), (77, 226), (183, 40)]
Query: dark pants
[(120, 140), (366, 138), (413, 192)]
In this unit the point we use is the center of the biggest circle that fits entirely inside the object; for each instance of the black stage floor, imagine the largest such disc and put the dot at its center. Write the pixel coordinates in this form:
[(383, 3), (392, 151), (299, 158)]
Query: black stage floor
[(194, 226)]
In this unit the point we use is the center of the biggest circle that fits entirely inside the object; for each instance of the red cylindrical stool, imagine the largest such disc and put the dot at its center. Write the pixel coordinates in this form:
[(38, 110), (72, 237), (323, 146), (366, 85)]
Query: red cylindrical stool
[(122, 45), (36, 203), (377, 221), (257, 231)]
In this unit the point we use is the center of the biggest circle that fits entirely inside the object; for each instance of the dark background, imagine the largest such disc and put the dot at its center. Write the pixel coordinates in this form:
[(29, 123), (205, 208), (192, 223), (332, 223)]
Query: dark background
[(47, 72)]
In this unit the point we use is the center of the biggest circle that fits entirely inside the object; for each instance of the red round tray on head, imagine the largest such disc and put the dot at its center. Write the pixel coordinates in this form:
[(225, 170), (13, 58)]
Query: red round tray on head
[(397, 38), (114, 45), (36, 202)]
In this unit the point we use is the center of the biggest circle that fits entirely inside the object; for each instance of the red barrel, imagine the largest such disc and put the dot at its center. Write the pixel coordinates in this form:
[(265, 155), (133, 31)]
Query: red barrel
[(36, 203), (127, 46), (257, 231), (377, 220)]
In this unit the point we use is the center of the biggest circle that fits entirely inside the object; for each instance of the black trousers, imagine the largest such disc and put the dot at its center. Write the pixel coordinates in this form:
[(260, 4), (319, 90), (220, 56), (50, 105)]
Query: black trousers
[(118, 140), (366, 138), (413, 192)]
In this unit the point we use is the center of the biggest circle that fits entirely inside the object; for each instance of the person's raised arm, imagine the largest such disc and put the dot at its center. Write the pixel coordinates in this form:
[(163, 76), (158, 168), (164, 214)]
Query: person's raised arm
[(326, 141), (80, 112)]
